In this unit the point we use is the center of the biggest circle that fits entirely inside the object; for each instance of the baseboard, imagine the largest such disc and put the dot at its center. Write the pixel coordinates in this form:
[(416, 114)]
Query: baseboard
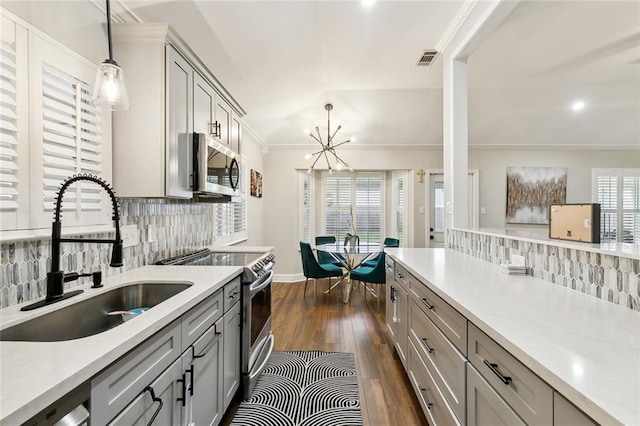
[(288, 278)]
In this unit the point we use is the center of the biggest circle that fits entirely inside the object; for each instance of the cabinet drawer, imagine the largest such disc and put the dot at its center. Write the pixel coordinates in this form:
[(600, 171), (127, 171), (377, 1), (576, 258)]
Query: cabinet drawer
[(529, 396), (433, 404), (484, 405), (450, 322), (232, 292), (567, 414), (120, 383), (444, 361), (144, 408), (402, 276), (199, 319)]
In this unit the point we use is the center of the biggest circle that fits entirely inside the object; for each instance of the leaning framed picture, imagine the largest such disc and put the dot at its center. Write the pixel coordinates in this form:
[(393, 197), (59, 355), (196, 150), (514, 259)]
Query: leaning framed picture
[(530, 192)]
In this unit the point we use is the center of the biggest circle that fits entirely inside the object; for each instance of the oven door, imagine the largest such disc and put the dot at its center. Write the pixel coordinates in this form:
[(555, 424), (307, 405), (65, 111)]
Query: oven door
[(257, 339)]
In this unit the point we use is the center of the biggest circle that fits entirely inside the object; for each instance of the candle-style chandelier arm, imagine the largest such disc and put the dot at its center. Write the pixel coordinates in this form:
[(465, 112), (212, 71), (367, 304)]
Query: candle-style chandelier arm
[(341, 143), (329, 145)]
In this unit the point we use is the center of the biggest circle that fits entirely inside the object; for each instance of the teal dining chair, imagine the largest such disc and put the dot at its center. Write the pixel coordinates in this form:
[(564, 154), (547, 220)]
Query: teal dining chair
[(373, 275), (312, 269), (323, 257), (388, 242)]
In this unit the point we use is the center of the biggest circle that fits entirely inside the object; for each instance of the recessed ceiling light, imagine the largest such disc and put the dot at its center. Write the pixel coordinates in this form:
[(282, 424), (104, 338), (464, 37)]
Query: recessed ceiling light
[(367, 3), (578, 106)]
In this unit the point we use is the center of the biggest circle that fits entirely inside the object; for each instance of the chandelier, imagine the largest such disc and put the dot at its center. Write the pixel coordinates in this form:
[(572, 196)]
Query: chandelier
[(328, 150)]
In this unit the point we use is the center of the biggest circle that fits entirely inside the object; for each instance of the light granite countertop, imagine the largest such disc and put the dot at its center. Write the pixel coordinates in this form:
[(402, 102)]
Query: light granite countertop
[(36, 374), (585, 348)]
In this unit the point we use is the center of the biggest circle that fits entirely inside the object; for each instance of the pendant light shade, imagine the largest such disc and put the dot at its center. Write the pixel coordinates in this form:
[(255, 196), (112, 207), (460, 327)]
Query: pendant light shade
[(110, 90)]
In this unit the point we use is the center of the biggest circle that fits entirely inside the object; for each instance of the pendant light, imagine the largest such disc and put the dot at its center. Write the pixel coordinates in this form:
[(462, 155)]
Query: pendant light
[(109, 89)]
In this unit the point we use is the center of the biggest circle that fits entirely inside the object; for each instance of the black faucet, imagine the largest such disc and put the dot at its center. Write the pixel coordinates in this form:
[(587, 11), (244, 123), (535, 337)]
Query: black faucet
[(56, 278)]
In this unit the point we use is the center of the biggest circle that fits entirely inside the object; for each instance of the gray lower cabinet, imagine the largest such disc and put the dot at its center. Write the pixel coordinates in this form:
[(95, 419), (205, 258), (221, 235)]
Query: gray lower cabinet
[(158, 404), (396, 309), (231, 373), (188, 372), (485, 406), (202, 365), (566, 414)]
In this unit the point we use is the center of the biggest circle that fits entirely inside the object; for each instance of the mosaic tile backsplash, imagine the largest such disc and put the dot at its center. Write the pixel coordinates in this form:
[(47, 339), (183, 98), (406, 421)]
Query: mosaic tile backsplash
[(612, 278), (181, 226)]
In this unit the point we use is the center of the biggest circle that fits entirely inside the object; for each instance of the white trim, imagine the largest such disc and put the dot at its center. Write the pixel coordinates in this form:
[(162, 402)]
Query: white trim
[(556, 147), (456, 24), (255, 138), (289, 278)]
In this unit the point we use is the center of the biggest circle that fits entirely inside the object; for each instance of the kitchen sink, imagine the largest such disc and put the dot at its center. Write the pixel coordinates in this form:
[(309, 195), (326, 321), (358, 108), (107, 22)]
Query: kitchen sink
[(89, 316)]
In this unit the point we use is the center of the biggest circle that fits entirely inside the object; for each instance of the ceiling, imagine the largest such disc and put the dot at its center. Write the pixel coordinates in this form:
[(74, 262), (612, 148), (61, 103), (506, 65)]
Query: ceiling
[(283, 61)]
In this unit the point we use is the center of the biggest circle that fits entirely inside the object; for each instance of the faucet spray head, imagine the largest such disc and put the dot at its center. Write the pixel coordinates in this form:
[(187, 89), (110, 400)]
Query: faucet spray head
[(116, 254)]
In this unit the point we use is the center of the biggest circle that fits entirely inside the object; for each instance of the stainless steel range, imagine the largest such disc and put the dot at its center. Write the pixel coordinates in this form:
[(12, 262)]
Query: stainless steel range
[(257, 277)]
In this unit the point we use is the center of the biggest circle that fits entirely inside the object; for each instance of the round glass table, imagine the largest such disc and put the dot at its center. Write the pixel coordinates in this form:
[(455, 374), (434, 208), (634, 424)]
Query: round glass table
[(350, 257)]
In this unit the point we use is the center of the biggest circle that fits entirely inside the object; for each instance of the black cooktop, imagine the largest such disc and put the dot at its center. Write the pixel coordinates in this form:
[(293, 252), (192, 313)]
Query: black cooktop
[(207, 258)]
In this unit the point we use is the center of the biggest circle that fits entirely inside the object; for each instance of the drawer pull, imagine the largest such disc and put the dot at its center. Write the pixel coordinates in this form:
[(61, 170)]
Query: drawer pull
[(494, 367), (426, 302), (184, 391), (429, 404), (400, 275), (206, 350), (426, 346), (233, 295), (154, 398)]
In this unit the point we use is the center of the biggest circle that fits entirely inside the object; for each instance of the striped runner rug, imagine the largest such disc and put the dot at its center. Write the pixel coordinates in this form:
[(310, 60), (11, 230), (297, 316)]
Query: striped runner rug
[(306, 389)]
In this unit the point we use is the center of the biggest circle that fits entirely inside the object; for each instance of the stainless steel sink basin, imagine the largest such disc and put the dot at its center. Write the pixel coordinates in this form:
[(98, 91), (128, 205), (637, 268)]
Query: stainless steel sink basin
[(89, 316)]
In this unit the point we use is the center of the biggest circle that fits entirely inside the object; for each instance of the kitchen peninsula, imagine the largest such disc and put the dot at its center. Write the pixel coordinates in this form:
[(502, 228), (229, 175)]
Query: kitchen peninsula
[(584, 348)]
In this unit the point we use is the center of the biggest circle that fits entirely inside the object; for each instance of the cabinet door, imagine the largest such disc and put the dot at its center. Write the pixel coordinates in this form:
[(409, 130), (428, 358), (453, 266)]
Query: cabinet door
[(204, 105), (567, 414), (402, 330), (485, 406), (223, 117), (179, 126), (164, 410), (231, 360), (236, 133), (203, 367)]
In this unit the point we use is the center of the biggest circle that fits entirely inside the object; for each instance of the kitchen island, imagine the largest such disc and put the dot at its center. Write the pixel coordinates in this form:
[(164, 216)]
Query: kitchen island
[(34, 375), (586, 349)]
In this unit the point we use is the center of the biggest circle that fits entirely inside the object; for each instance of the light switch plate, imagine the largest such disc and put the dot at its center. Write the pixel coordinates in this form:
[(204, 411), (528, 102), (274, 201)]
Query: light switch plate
[(129, 234)]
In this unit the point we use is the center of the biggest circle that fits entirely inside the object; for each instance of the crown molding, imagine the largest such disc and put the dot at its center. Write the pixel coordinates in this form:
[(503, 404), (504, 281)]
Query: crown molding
[(354, 147), (248, 131), (455, 26), (549, 147)]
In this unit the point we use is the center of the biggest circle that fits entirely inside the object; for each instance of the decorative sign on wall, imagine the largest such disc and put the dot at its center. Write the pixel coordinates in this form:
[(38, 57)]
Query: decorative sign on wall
[(530, 191), (256, 184)]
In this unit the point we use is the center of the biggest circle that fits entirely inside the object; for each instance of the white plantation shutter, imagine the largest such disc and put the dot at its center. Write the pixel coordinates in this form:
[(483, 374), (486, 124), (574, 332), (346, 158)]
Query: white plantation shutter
[(305, 207), (399, 205), (361, 191), (368, 208), (618, 192), (231, 218), (337, 202), (14, 120)]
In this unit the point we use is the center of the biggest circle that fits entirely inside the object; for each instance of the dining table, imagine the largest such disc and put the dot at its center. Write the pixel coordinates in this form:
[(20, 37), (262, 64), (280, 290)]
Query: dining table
[(350, 257)]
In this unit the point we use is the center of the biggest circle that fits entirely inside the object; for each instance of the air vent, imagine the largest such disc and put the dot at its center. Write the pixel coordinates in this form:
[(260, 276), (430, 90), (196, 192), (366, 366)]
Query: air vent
[(427, 57)]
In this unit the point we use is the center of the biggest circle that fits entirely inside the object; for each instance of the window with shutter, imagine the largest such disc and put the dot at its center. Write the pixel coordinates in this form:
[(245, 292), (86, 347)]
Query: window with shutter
[(68, 127), (398, 195), (231, 218), (14, 118), (618, 192), (360, 191), (305, 207)]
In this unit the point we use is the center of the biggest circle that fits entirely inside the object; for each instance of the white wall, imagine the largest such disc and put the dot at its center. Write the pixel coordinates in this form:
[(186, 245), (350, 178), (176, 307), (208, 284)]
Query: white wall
[(251, 150), (493, 175), (281, 195), (78, 25)]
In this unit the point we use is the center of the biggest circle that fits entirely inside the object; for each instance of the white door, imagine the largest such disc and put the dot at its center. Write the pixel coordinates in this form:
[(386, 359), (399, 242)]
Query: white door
[(436, 219), (436, 210)]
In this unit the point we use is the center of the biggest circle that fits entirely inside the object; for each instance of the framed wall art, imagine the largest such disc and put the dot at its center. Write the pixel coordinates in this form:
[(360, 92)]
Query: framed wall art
[(530, 191), (255, 187)]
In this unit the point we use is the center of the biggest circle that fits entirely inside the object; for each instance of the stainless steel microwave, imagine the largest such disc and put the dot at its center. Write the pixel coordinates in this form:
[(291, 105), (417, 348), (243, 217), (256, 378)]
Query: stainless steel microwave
[(216, 172)]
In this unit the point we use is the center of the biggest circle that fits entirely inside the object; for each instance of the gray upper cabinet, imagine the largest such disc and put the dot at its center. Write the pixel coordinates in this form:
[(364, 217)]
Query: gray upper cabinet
[(204, 105), (172, 96)]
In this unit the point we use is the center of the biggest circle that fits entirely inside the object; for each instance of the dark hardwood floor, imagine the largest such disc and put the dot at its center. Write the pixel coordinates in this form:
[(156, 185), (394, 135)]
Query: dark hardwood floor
[(386, 395)]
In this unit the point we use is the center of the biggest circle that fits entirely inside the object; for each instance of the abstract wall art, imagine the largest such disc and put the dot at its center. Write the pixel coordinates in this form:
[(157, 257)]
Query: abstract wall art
[(256, 184), (530, 191)]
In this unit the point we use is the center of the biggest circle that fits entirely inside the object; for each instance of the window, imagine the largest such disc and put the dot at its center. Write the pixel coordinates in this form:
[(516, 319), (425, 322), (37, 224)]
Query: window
[(618, 192), (306, 209), (231, 218), (398, 205), (353, 197)]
